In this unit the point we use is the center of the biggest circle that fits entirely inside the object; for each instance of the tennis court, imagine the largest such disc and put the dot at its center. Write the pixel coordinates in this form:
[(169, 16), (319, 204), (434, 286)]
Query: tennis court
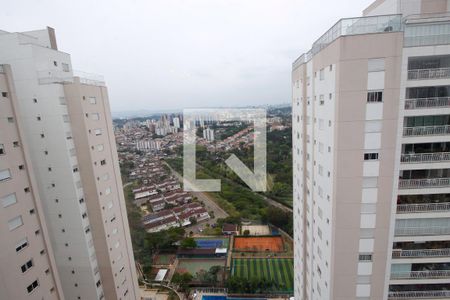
[(208, 243), (258, 243)]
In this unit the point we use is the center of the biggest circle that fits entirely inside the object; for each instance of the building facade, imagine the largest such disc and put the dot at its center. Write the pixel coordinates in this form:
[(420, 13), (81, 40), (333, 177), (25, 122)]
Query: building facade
[(370, 118), (68, 129), (28, 268)]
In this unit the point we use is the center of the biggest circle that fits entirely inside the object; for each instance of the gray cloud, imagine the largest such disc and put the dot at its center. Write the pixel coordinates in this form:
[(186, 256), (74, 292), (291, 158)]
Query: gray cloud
[(167, 54)]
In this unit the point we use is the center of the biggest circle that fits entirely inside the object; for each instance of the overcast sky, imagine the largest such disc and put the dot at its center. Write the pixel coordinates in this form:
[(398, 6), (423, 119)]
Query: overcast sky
[(173, 54)]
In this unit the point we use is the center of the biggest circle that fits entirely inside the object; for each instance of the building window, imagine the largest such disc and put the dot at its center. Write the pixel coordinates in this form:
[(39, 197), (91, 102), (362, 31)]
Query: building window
[(15, 144), (35, 100), (55, 63), (5, 94), (26, 266), (322, 74), (370, 156), (95, 116), (365, 257), (2, 149), (5, 175), (322, 100), (15, 223), (21, 245), (33, 286), (10, 119), (375, 96), (62, 101), (98, 131), (65, 67), (103, 162), (66, 118), (92, 100), (9, 200), (100, 147)]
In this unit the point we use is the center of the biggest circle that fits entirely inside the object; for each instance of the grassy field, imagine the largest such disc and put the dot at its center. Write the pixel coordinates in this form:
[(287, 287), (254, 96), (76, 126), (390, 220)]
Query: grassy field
[(280, 270)]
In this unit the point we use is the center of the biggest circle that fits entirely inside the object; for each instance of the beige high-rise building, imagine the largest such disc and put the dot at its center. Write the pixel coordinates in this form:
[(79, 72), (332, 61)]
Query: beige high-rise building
[(371, 138), (73, 173), (28, 269)]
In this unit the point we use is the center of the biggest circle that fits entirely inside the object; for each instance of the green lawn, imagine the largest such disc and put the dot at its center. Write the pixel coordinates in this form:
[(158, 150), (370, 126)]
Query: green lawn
[(280, 270)]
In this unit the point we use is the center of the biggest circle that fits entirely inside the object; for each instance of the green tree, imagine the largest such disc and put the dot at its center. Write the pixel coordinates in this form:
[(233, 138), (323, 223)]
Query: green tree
[(182, 280), (188, 243)]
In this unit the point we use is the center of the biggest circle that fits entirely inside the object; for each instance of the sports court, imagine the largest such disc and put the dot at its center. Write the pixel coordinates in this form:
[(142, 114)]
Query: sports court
[(194, 266), (280, 270), (259, 243), (208, 243), (163, 259), (256, 229)]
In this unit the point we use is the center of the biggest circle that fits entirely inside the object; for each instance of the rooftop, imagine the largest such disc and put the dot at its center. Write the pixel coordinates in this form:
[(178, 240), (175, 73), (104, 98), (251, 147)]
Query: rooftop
[(352, 26)]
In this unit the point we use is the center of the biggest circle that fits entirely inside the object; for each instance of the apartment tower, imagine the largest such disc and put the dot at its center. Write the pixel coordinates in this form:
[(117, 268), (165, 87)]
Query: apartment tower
[(371, 156), (67, 125), (28, 269)]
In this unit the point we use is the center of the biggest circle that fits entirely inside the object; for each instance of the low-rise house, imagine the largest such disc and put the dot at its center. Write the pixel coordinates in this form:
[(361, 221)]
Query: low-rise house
[(230, 229)]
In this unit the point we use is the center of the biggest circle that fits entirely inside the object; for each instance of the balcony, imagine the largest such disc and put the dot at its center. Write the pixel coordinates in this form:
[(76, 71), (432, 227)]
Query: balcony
[(426, 130), (425, 157), (54, 76), (432, 102), (420, 253), (420, 74), (418, 295), (422, 231), (423, 183), (428, 274), (422, 207)]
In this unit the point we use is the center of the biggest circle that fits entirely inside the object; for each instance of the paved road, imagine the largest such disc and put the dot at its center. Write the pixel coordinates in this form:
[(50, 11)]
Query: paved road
[(220, 213), (210, 204), (277, 204), (127, 184)]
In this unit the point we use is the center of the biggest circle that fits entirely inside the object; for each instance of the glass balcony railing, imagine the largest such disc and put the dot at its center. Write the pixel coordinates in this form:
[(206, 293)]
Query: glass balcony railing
[(420, 253), (425, 157), (432, 102), (423, 183), (428, 274), (422, 208), (426, 130), (419, 295), (439, 73), (353, 26), (422, 231)]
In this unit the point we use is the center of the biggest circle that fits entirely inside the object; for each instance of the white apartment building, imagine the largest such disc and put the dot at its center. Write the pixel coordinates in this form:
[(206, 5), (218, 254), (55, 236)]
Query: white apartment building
[(208, 134), (68, 128), (371, 131)]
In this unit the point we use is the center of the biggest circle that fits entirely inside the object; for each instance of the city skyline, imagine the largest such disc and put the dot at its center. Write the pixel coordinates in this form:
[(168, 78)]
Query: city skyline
[(178, 54)]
